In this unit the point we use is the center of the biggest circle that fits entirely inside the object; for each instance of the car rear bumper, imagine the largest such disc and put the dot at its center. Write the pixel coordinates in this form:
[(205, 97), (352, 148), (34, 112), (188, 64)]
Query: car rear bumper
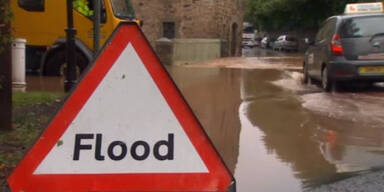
[(355, 70), (249, 43)]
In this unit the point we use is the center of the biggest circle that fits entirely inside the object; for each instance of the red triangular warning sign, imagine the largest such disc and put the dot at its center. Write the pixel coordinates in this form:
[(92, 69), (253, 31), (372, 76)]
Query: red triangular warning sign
[(126, 127)]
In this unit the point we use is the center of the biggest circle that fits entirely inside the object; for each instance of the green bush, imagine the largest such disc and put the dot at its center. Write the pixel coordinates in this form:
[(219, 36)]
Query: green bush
[(5, 18), (286, 15)]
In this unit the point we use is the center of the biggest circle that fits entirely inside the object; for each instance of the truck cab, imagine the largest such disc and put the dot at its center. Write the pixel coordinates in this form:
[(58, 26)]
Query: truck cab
[(43, 22)]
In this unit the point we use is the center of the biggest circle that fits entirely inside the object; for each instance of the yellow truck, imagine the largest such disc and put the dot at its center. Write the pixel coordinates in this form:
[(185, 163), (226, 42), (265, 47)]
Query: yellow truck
[(43, 22)]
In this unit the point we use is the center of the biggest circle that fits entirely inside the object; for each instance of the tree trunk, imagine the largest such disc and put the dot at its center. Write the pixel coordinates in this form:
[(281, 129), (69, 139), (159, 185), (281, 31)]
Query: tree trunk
[(5, 79)]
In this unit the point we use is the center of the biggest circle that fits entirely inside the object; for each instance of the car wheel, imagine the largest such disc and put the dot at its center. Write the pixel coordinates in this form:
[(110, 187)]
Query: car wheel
[(56, 64), (326, 83)]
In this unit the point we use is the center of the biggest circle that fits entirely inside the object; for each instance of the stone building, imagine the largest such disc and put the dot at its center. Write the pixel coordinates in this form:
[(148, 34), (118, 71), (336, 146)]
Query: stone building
[(193, 19)]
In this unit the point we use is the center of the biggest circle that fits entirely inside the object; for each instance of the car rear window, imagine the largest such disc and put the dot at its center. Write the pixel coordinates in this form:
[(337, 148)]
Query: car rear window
[(362, 27), (248, 30)]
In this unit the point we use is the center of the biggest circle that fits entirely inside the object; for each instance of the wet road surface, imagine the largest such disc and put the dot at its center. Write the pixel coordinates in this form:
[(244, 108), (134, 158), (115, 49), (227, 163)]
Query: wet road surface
[(285, 136), (40, 83), (274, 133)]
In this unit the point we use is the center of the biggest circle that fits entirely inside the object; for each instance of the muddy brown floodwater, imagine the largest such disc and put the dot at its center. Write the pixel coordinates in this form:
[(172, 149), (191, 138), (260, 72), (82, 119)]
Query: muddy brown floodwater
[(262, 132), (274, 133), (40, 83)]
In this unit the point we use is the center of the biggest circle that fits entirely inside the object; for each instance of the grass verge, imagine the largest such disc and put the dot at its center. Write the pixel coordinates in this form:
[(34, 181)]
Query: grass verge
[(31, 113)]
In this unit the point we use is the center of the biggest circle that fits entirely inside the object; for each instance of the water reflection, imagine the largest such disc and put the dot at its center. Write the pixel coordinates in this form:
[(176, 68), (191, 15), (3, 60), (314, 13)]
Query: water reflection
[(259, 168), (214, 96), (352, 150), (47, 84), (287, 130)]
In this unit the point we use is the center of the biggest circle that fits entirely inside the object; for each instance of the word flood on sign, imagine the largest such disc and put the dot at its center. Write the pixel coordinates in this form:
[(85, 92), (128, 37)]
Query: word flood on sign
[(118, 150)]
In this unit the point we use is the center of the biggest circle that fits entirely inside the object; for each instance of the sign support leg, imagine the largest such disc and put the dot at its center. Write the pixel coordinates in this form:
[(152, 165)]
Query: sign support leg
[(70, 80)]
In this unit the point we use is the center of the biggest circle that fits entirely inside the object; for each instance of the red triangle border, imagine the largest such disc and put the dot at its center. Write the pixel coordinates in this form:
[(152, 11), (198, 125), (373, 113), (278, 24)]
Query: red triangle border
[(218, 178)]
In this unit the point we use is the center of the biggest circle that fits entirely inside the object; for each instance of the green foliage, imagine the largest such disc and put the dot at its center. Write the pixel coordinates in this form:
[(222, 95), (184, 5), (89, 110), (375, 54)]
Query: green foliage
[(5, 18), (285, 15)]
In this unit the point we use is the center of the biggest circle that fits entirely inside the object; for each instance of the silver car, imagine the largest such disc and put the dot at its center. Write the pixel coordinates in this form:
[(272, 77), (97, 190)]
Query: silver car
[(347, 48), (285, 43)]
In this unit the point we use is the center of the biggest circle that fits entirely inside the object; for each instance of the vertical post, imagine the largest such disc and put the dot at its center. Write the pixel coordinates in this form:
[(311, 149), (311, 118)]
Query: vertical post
[(96, 26), (70, 80), (5, 76)]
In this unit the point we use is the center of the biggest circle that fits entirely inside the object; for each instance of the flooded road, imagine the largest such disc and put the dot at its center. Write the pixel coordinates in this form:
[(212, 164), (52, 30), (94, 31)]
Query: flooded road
[(39, 83), (274, 133)]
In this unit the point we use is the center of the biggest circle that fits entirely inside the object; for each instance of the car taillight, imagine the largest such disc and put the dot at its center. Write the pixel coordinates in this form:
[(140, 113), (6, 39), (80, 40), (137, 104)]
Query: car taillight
[(336, 47)]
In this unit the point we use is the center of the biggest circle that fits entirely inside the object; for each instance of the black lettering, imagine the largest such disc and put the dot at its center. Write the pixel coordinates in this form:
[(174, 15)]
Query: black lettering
[(123, 153), (79, 146), (170, 146), (98, 155), (134, 151)]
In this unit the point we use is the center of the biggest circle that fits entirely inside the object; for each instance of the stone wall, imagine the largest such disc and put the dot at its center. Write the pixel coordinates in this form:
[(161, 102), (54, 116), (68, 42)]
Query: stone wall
[(212, 19)]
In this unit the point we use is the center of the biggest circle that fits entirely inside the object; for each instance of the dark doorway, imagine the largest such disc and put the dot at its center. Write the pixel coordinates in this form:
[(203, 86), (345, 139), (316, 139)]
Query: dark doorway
[(169, 30)]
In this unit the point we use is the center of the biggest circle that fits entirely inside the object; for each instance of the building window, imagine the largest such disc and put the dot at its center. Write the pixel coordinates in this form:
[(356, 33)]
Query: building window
[(169, 30), (32, 5)]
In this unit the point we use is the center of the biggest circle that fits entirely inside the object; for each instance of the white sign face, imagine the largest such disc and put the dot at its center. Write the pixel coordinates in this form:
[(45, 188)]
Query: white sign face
[(127, 141), (359, 8)]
